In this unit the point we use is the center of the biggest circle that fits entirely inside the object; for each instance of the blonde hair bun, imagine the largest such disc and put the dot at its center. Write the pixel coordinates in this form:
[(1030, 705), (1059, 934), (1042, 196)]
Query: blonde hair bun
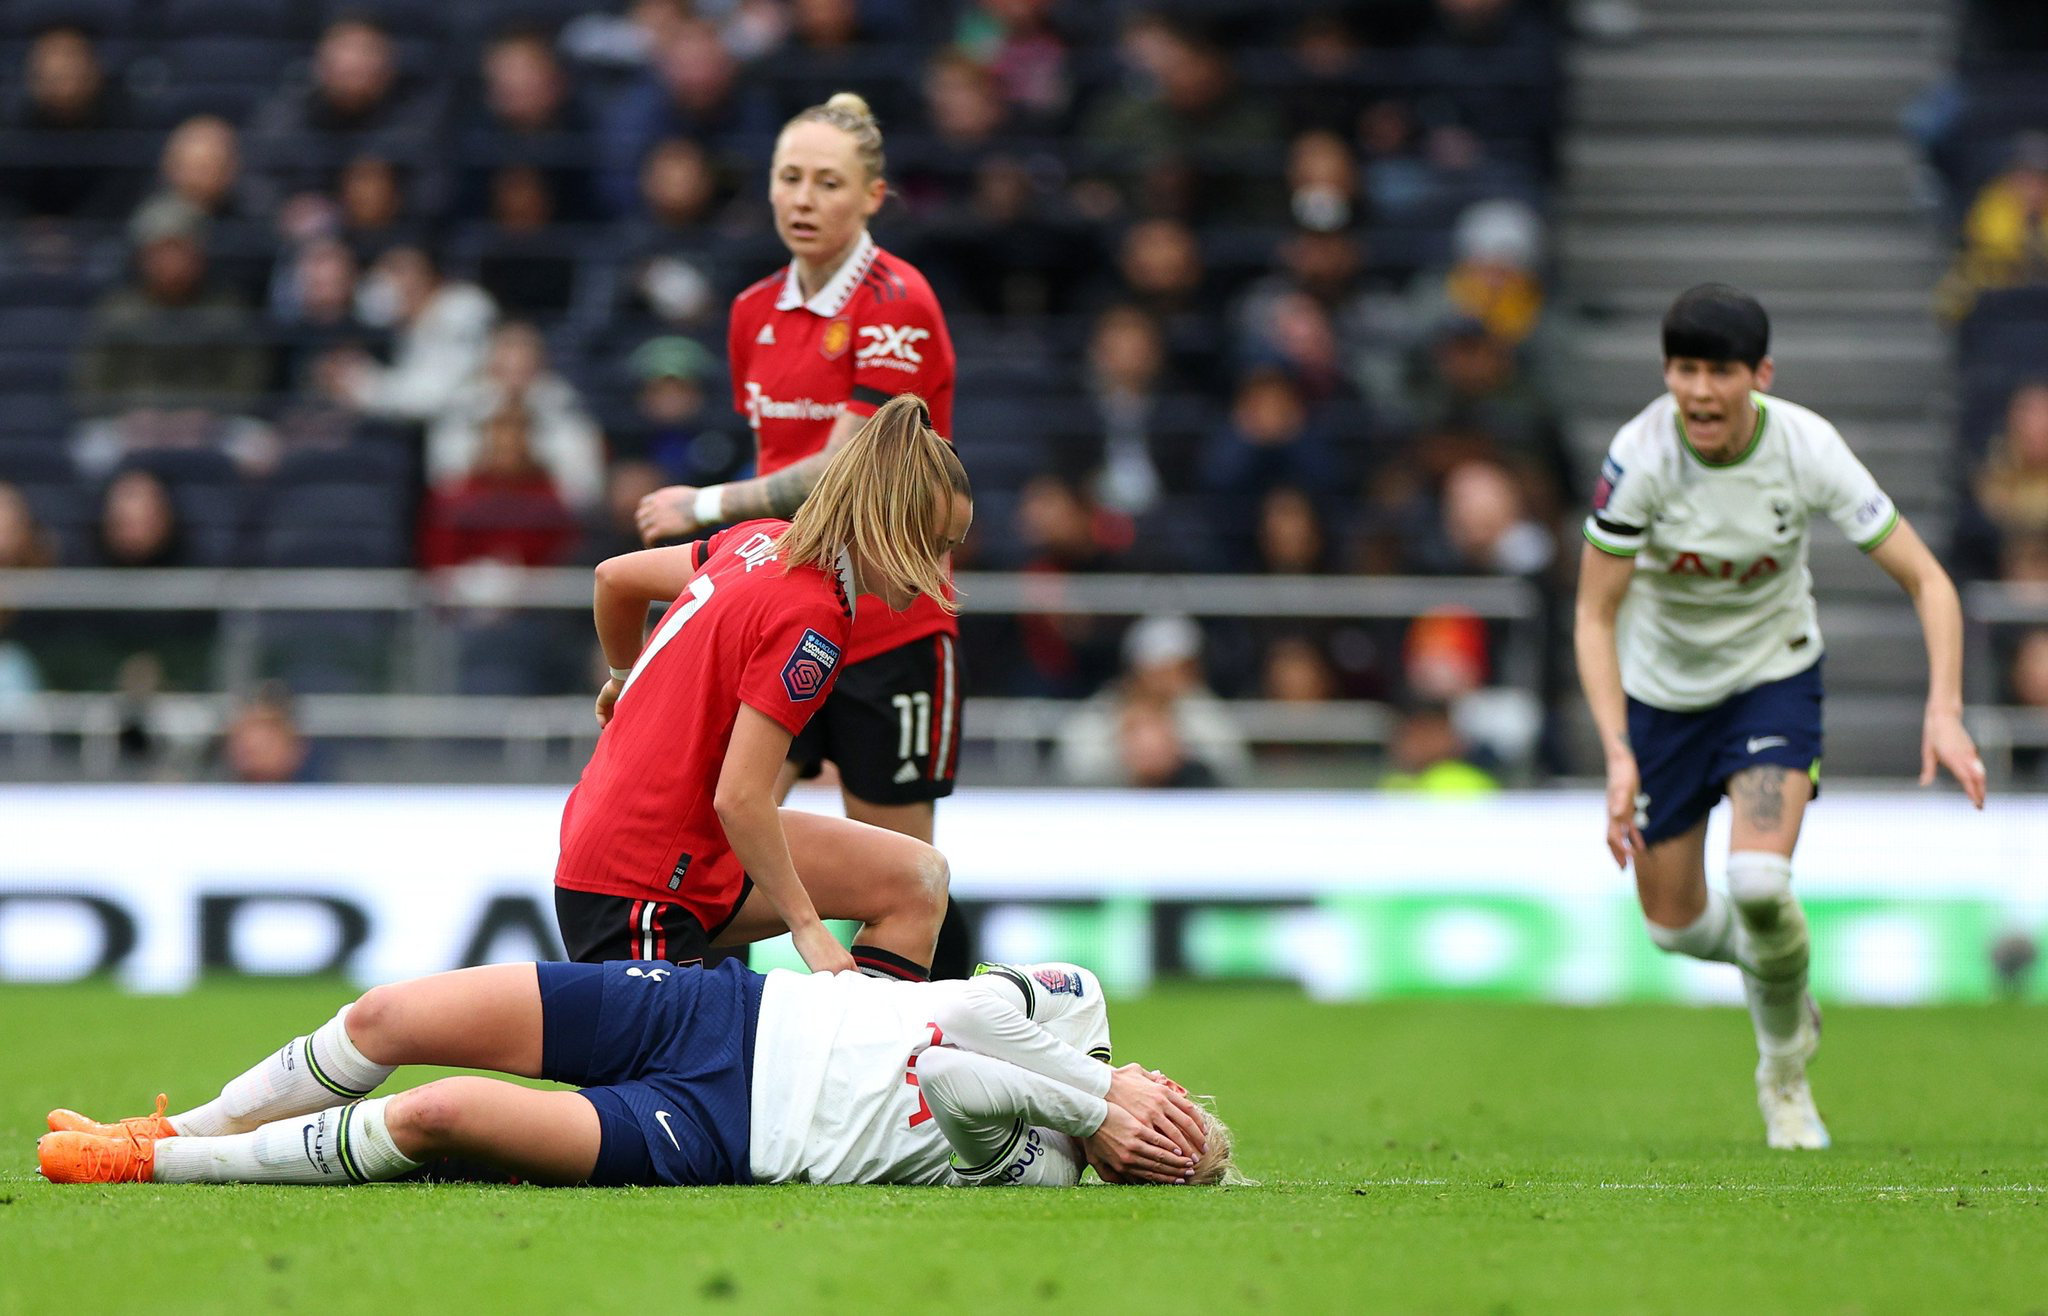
[(852, 102), (848, 112)]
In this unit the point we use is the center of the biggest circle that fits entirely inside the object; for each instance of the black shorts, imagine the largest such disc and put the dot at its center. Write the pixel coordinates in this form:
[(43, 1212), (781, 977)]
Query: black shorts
[(597, 928), (892, 724)]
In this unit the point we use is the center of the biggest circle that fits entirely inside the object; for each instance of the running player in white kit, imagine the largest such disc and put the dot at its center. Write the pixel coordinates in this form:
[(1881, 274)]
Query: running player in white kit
[(688, 1076), (1708, 681)]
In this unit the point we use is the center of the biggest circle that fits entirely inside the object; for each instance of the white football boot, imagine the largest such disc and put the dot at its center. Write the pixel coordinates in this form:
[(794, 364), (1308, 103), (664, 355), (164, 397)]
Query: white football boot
[(1791, 1122)]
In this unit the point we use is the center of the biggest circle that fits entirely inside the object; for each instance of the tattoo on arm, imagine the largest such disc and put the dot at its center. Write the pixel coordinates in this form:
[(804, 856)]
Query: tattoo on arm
[(1760, 794), (779, 494)]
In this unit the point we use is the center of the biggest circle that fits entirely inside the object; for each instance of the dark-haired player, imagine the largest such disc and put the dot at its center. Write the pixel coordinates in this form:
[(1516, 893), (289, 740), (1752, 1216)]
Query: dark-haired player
[(1709, 681)]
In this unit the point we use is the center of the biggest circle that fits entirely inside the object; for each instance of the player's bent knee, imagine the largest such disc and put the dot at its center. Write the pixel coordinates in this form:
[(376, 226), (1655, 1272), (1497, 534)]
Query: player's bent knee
[(431, 1117), (925, 895), (935, 875), (1760, 885), (370, 1018), (920, 883), (1759, 882)]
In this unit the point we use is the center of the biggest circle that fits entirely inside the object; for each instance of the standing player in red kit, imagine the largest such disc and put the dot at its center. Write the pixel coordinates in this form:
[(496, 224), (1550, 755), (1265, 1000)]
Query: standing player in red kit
[(673, 840), (814, 349)]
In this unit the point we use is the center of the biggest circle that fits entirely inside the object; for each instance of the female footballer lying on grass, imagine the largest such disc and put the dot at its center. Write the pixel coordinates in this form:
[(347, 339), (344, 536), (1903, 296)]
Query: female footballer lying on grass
[(688, 1076)]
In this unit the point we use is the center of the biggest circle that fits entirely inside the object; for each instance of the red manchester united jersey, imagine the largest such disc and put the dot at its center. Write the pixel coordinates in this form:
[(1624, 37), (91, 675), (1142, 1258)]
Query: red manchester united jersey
[(872, 332), (641, 823)]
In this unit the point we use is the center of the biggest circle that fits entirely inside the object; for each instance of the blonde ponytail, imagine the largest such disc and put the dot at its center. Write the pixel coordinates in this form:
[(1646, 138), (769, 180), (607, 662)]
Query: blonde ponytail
[(887, 497), (848, 112)]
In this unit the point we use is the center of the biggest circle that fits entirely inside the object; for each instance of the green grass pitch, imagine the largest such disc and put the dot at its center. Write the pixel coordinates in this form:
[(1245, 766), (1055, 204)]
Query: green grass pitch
[(1428, 1156)]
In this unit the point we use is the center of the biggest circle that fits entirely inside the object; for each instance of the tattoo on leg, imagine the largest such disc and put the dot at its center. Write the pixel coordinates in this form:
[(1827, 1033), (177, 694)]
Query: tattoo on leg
[(1761, 794)]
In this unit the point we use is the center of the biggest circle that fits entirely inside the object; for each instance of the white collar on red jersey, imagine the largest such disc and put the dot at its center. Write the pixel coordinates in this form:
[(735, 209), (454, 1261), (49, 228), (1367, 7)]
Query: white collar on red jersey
[(831, 299), (845, 568)]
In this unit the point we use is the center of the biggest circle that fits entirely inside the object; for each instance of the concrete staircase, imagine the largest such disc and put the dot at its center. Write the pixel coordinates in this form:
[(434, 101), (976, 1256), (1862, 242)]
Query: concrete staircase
[(1756, 142)]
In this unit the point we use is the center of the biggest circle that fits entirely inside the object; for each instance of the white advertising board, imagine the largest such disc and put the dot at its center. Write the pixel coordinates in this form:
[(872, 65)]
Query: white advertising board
[(1353, 894)]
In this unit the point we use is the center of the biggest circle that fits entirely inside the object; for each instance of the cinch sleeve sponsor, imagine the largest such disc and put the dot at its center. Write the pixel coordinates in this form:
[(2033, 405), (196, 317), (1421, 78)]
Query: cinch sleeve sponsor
[(794, 664), (896, 349), (1620, 520), (1849, 494)]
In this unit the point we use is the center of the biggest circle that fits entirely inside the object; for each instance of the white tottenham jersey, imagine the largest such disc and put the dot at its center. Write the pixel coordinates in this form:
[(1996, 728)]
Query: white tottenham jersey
[(838, 1096), (1722, 600)]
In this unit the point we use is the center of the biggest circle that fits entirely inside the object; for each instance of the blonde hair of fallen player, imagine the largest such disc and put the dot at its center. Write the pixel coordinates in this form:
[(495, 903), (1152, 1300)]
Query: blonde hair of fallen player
[(896, 500), (1217, 1163)]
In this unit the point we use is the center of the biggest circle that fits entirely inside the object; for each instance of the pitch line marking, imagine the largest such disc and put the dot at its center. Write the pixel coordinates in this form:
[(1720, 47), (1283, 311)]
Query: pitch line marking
[(1582, 1185)]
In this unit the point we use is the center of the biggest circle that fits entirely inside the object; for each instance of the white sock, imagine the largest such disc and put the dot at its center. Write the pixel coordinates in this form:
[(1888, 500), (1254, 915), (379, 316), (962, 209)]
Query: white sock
[(343, 1144), (1772, 946), (1711, 936), (309, 1074)]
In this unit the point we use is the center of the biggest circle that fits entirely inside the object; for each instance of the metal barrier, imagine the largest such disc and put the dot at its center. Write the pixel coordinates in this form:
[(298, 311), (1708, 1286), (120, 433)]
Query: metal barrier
[(527, 728), (428, 605), (2002, 731)]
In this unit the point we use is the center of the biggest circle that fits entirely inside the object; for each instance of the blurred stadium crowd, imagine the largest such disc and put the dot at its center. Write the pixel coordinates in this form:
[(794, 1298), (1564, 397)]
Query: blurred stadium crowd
[(1236, 285), (1985, 136)]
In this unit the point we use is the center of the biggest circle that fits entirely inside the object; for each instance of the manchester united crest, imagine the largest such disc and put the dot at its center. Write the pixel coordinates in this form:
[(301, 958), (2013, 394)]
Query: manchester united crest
[(838, 335)]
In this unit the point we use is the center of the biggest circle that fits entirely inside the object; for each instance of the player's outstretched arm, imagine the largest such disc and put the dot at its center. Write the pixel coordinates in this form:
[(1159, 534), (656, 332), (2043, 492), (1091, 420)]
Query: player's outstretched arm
[(684, 509), (747, 810), (1943, 740), (1603, 583)]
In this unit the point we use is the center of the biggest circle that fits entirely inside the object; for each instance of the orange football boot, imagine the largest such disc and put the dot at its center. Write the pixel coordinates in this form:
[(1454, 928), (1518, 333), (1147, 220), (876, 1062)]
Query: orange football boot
[(127, 1157), (148, 1126)]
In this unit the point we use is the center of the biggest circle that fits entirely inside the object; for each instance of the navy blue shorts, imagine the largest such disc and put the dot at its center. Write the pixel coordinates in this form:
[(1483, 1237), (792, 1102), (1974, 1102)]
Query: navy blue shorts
[(1686, 759), (666, 1054)]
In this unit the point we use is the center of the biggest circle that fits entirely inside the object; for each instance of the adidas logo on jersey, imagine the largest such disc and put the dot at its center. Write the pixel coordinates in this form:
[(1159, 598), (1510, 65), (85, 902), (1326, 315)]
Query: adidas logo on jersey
[(906, 773), (766, 338)]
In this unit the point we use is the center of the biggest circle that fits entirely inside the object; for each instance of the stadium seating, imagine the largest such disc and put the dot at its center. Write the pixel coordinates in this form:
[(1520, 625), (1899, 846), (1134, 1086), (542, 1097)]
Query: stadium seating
[(1022, 399)]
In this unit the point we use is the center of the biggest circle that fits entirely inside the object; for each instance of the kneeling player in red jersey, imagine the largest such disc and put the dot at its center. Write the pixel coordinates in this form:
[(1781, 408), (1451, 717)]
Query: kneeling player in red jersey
[(673, 841)]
